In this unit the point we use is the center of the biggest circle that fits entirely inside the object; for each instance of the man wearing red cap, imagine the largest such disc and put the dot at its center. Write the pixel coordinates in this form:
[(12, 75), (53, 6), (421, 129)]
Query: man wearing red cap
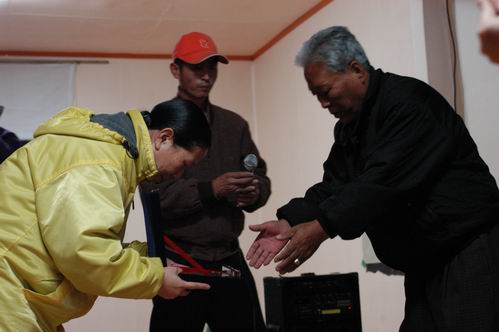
[(203, 211)]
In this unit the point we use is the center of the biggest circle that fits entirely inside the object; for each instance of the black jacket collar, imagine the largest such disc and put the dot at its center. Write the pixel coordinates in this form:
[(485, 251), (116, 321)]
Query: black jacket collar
[(348, 134)]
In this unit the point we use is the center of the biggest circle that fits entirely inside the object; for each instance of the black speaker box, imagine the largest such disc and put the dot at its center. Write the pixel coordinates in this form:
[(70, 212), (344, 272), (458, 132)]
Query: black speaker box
[(313, 303)]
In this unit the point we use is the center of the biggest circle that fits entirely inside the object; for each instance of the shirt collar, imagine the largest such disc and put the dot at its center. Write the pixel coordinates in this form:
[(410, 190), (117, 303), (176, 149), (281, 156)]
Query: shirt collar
[(206, 111)]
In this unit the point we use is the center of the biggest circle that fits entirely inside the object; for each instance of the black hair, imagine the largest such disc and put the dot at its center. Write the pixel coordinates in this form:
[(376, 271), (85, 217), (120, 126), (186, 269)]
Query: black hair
[(187, 120), (179, 62)]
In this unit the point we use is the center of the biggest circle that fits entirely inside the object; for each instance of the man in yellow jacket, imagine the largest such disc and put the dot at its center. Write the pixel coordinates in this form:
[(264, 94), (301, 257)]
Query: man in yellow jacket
[(63, 210)]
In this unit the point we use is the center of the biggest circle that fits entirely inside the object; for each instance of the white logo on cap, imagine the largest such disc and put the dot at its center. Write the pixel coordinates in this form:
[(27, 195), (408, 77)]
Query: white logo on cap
[(204, 43)]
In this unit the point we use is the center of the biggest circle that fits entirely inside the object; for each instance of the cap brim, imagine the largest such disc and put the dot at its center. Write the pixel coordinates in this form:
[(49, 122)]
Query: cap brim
[(221, 58), (195, 60)]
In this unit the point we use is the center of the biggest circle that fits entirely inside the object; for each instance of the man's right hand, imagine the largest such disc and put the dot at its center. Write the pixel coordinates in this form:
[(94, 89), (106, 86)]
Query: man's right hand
[(173, 286), (267, 245), (231, 182)]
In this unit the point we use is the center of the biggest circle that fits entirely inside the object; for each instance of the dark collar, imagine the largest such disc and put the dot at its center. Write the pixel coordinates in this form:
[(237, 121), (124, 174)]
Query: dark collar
[(346, 134), (207, 111)]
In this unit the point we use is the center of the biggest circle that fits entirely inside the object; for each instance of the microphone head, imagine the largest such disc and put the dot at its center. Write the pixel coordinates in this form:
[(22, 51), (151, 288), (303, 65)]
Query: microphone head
[(250, 162)]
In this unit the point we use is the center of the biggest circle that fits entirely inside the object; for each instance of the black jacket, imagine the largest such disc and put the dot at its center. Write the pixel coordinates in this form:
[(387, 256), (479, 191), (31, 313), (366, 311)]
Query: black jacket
[(406, 172)]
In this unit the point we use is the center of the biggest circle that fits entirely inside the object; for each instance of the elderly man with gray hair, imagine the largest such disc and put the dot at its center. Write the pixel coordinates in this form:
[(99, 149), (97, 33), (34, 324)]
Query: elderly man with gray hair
[(404, 170)]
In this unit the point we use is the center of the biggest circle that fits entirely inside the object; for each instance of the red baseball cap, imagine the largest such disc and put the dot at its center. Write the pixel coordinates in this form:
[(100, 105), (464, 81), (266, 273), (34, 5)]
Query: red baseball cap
[(196, 47)]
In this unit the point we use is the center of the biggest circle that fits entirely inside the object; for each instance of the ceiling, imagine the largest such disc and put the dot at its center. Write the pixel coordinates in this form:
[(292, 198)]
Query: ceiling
[(145, 28)]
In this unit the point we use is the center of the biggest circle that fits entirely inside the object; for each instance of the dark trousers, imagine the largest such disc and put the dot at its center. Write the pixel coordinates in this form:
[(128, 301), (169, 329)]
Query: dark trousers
[(230, 304), (461, 297)]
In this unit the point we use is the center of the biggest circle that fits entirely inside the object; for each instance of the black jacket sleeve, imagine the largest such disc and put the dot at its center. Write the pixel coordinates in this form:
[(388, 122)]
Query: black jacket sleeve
[(410, 150)]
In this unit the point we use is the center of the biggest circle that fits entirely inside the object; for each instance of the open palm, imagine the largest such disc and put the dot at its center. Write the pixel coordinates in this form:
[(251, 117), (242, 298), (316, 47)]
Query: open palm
[(266, 246)]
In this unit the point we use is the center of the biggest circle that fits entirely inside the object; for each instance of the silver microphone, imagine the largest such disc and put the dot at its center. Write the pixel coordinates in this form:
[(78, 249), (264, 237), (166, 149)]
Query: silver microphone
[(250, 162)]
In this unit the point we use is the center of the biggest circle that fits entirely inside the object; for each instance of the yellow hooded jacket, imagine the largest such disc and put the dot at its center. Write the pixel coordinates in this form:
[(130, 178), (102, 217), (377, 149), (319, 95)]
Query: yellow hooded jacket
[(63, 209)]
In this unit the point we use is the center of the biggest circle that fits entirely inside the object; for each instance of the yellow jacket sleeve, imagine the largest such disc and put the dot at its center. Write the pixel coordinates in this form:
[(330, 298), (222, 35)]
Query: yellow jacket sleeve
[(141, 247), (81, 217)]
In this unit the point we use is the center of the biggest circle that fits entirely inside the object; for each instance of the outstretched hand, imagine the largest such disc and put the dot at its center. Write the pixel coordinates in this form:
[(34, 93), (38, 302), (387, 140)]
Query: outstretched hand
[(173, 286), (304, 239), (267, 245)]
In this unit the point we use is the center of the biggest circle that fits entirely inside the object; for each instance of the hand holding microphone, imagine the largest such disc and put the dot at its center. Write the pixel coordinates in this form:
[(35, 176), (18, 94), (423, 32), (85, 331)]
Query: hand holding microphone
[(250, 162), (239, 187), (230, 183), (249, 195)]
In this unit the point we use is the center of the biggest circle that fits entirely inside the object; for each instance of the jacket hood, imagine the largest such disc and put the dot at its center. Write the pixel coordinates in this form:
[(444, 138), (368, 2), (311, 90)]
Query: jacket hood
[(128, 130), (75, 122)]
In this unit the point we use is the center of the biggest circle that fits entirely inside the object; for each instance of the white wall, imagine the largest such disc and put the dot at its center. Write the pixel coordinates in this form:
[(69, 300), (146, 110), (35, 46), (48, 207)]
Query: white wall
[(438, 47), (32, 92)]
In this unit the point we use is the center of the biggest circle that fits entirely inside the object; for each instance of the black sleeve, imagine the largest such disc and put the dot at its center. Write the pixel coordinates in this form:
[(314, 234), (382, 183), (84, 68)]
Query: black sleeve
[(411, 149)]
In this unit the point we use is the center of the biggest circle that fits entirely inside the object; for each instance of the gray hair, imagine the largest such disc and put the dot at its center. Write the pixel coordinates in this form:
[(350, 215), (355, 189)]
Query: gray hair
[(335, 46)]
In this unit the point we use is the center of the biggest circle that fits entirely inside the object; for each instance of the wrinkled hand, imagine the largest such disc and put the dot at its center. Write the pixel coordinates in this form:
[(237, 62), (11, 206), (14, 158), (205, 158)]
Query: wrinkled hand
[(304, 239), (173, 286), (266, 244), (231, 182), (489, 28), (248, 195)]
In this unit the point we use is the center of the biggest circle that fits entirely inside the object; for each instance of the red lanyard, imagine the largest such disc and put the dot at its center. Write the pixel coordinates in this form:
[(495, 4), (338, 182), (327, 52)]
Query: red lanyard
[(196, 267)]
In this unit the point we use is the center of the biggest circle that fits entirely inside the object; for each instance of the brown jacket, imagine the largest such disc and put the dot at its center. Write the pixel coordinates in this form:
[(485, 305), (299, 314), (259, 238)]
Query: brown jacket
[(205, 227)]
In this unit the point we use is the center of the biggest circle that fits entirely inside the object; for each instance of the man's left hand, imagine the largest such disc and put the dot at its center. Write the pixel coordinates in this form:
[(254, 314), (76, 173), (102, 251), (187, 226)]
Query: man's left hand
[(304, 240)]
